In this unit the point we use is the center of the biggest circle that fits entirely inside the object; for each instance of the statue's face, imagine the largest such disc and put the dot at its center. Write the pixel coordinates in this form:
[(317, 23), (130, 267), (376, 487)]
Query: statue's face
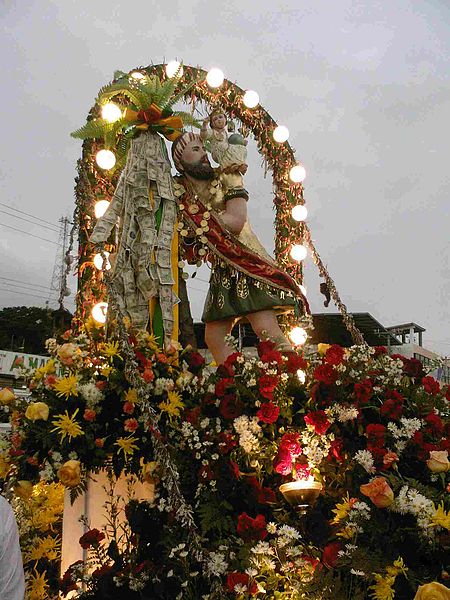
[(218, 121), (195, 161)]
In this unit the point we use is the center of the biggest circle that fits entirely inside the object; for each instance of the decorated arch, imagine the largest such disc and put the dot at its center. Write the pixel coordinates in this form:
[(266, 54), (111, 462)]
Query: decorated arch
[(95, 186)]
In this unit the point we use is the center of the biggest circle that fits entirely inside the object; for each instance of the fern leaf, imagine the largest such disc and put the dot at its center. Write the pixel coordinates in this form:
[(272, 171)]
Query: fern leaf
[(93, 129), (166, 92), (180, 96), (187, 118)]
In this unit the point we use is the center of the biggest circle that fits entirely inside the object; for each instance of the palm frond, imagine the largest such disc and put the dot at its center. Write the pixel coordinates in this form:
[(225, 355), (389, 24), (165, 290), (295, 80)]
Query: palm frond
[(93, 129), (187, 118), (180, 96), (165, 92)]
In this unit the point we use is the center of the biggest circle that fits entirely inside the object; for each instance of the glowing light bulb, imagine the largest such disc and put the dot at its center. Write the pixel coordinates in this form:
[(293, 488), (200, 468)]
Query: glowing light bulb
[(98, 261), (299, 212), (298, 336), (297, 174), (137, 75), (298, 252), (111, 112), (301, 376), (99, 312), (105, 159), (280, 134), (215, 78), (172, 68), (100, 208), (251, 99), (303, 290)]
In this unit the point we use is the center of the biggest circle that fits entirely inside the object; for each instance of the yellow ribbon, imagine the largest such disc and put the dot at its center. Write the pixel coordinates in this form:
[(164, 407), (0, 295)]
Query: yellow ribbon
[(154, 118)]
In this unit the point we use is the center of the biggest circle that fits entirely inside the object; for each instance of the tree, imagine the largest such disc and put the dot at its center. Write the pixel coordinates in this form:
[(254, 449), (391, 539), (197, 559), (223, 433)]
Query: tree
[(25, 328)]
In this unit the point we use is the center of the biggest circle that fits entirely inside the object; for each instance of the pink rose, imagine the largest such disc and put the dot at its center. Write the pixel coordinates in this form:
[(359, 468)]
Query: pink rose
[(379, 491)]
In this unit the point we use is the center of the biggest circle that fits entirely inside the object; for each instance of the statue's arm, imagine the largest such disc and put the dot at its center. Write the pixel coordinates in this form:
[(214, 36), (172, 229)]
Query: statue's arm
[(234, 216)]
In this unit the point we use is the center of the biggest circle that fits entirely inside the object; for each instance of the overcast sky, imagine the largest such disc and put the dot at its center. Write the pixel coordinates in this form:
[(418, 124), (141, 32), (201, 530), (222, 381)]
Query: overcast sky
[(362, 85)]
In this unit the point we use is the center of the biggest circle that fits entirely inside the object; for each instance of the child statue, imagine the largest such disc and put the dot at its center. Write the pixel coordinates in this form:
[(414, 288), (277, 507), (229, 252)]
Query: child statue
[(230, 152)]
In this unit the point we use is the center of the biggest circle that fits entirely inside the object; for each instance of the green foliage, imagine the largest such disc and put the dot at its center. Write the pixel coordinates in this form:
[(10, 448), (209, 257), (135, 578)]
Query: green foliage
[(215, 516)]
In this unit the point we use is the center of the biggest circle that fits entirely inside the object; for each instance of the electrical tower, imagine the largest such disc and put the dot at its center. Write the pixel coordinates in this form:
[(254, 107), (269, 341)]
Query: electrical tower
[(59, 280)]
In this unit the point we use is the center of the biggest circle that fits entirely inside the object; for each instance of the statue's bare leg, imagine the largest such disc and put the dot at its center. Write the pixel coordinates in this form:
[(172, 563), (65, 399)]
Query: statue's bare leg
[(215, 333), (265, 324)]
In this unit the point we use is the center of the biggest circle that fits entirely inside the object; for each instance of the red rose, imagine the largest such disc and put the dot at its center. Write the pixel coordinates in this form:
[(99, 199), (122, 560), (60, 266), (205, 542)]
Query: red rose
[(363, 391), (322, 394), (265, 347), (263, 495), (232, 359), (267, 385), (302, 471), (391, 409), (319, 420), (412, 367), (334, 355), (223, 385), (336, 448), (375, 435), (325, 373), (291, 442), (93, 537), (431, 386), (148, 375), (282, 463), (272, 356), (226, 443), (231, 407), (330, 554), (234, 579), (435, 422), (195, 361), (268, 412), (234, 468), (295, 362), (192, 416), (251, 529), (380, 350), (101, 385)]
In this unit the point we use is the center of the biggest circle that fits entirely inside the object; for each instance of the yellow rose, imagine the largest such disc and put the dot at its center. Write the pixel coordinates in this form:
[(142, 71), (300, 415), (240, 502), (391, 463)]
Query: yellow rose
[(6, 396), (23, 489), (69, 473), (432, 591), (438, 461), (37, 411), (67, 353), (322, 348)]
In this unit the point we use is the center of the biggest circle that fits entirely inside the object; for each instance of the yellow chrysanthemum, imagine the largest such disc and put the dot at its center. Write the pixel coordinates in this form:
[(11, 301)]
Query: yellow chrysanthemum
[(127, 445), (441, 518), (131, 396), (67, 386), (37, 586), (111, 349), (47, 369), (341, 511), (48, 547), (106, 371), (173, 405), (67, 426), (383, 588)]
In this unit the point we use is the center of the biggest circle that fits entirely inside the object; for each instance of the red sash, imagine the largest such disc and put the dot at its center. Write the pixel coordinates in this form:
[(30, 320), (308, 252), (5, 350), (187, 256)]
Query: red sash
[(225, 246)]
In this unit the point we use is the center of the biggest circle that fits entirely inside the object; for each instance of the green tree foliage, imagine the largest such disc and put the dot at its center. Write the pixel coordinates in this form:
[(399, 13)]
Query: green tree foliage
[(25, 328)]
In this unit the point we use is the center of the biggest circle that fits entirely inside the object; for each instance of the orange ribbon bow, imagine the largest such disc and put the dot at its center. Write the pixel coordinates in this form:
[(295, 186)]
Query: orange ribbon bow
[(152, 116)]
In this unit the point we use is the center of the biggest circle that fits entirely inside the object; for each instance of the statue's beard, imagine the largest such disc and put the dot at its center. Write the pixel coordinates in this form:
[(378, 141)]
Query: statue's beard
[(199, 170)]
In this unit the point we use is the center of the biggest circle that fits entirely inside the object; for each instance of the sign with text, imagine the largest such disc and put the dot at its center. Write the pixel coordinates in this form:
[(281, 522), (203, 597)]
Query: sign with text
[(10, 361)]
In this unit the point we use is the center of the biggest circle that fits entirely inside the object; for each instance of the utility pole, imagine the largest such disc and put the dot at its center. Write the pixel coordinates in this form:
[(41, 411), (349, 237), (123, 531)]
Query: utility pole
[(59, 283)]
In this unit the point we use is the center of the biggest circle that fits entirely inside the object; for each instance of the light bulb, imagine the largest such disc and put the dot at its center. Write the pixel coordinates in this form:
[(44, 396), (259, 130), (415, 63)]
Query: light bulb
[(280, 134), (100, 208), (137, 75), (111, 112), (299, 212), (215, 78), (99, 311), (297, 174), (298, 336), (105, 159), (298, 252), (98, 261), (172, 68), (251, 99), (301, 376)]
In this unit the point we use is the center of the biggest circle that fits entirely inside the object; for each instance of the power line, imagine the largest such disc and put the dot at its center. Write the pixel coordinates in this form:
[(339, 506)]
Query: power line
[(46, 288), (21, 293), (27, 287), (28, 221), (30, 234), (27, 214)]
